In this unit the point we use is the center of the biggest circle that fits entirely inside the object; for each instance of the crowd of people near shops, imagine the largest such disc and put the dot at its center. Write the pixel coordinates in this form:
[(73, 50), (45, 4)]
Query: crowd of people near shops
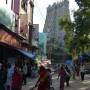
[(14, 76), (65, 73)]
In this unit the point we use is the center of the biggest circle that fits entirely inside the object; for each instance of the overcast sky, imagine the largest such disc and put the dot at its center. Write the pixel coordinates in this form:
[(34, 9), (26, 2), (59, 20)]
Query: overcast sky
[(40, 10)]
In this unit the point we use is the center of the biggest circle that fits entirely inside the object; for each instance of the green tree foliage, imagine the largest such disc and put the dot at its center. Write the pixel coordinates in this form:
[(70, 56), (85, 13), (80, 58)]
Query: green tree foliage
[(68, 27), (5, 18), (82, 25), (79, 30), (83, 3)]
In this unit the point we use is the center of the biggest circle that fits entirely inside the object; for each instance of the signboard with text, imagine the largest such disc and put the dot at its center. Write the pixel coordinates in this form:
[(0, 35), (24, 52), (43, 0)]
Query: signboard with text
[(23, 25), (9, 39)]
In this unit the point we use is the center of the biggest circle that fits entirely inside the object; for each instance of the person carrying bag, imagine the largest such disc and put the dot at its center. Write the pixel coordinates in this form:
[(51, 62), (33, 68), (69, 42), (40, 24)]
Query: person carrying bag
[(68, 75), (42, 83)]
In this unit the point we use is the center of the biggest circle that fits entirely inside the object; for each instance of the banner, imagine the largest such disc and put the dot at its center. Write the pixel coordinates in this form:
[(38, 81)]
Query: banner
[(9, 39)]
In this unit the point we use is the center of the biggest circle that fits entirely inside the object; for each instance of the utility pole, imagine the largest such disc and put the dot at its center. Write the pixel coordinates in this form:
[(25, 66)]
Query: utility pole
[(31, 23), (6, 1)]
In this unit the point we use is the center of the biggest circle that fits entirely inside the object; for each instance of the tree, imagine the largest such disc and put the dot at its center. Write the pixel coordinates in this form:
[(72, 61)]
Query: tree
[(83, 3), (79, 30), (82, 24), (66, 24), (5, 18)]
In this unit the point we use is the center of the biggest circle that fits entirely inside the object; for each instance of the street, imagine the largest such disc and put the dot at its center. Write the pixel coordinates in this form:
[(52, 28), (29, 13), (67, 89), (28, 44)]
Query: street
[(74, 84)]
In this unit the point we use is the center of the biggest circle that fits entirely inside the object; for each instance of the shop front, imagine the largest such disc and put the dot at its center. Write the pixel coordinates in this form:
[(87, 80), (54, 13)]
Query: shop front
[(11, 50)]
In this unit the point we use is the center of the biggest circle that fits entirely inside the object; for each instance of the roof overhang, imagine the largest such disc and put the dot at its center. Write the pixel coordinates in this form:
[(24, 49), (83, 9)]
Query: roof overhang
[(14, 34)]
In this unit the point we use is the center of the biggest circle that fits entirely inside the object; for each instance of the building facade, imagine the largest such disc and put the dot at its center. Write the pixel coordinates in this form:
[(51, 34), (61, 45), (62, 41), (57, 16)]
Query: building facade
[(13, 43), (54, 13), (35, 32), (21, 14), (23, 10), (35, 35), (55, 34)]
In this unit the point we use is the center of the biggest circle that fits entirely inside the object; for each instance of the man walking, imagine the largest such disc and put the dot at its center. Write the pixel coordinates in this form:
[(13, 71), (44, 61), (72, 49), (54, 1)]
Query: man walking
[(82, 71)]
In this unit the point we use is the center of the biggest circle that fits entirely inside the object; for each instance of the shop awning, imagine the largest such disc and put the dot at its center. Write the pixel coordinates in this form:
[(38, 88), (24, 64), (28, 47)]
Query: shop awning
[(16, 35), (15, 51), (69, 62), (26, 54), (7, 51), (8, 46)]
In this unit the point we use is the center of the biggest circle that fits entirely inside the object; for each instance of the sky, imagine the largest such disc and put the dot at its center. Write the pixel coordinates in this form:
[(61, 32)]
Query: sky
[(6, 7), (2, 4), (40, 10)]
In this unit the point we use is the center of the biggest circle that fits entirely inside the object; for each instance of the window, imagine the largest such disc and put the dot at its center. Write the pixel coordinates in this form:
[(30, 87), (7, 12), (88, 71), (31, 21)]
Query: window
[(24, 4)]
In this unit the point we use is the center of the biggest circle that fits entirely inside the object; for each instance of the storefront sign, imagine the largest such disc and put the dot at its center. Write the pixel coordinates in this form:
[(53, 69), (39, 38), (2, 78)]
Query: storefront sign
[(9, 39), (24, 25)]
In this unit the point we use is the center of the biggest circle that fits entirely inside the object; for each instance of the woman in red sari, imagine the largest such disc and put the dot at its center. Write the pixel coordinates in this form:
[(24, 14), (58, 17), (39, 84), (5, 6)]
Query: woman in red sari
[(62, 75), (43, 79), (17, 80)]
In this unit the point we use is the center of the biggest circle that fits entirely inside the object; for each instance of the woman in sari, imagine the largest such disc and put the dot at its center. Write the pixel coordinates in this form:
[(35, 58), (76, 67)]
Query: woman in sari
[(62, 75), (42, 82)]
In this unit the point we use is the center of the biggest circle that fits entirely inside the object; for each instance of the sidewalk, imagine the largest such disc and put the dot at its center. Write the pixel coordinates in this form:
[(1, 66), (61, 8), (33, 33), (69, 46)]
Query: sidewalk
[(74, 84), (80, 85), (30, 83)]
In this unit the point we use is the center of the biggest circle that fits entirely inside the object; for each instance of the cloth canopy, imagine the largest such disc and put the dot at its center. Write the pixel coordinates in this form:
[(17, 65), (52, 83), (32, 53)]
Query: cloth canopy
[(26, 54), (15, 51), (69, 62)]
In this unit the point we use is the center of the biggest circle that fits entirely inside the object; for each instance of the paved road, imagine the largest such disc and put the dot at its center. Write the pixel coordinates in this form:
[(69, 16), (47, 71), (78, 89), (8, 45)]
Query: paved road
[(74, 84)]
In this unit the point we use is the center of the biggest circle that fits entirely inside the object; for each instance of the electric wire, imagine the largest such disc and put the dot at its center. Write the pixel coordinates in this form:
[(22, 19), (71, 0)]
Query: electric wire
[(37, 6)]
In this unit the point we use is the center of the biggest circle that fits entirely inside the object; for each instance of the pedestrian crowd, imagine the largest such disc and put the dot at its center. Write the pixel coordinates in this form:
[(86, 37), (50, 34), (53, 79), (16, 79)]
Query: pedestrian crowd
[(12, 76), (65, 73)]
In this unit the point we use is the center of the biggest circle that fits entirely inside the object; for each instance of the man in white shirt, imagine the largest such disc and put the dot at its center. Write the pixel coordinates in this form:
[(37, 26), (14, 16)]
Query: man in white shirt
[(82, 71)]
